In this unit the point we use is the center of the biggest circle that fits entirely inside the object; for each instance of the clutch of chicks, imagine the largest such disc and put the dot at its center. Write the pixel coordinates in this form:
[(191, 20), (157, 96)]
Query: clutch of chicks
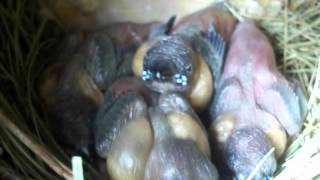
[(200, 98)]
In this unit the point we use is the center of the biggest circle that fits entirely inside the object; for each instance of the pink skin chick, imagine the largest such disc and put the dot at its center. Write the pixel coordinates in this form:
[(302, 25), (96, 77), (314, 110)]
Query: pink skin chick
[(255, 96), (251, 73)]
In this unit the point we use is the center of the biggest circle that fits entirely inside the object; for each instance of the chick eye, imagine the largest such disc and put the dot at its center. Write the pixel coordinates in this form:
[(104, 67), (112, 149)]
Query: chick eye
[(189, 68)]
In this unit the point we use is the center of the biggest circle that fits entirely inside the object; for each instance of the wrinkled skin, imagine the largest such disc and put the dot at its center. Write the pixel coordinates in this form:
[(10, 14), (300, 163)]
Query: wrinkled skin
[(173, 157), (252, 94), (251, 68), (125, 100)]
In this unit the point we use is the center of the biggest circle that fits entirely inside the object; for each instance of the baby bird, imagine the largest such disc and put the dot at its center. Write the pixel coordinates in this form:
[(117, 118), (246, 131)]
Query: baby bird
[(125, 137), (72, 89), (187, 59), (255, 107)]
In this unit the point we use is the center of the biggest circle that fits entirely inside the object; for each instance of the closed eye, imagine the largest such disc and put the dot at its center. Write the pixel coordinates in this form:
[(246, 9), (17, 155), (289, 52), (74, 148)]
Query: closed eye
[(189, 68)]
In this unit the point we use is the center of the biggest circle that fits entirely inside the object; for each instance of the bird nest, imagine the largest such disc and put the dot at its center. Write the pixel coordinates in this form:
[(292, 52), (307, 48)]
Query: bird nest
[(28, 149)]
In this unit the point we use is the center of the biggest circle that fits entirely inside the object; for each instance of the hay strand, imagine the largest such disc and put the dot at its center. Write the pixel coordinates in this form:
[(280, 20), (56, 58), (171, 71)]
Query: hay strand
[(305, 162), (258, 166), (47, 157)]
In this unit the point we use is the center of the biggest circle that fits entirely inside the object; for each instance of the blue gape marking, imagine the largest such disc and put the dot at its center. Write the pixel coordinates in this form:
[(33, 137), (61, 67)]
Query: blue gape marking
[(147, 75), (177, 78), (158, 75), (181, 79)]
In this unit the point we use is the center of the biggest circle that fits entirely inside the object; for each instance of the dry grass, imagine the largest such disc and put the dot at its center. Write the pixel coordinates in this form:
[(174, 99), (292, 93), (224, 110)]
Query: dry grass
[(29, 150)]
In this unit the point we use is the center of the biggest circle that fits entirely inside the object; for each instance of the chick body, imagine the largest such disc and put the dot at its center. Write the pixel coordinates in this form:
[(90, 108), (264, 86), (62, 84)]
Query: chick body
[(250, 95), (72, 88), (72, 105), (126, 139), (174, 157)]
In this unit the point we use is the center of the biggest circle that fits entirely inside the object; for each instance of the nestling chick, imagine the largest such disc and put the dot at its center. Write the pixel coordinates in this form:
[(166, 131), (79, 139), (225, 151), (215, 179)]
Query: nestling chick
[(72, 89), (186, 60), (72, 103), (255, 106), (125, 137)]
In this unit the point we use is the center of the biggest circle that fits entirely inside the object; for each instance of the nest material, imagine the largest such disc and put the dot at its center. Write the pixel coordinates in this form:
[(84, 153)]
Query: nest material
[(27, 37)]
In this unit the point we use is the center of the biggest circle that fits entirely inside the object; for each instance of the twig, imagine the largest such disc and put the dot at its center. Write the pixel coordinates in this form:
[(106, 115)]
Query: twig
[(37, 149), (255, 170)]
